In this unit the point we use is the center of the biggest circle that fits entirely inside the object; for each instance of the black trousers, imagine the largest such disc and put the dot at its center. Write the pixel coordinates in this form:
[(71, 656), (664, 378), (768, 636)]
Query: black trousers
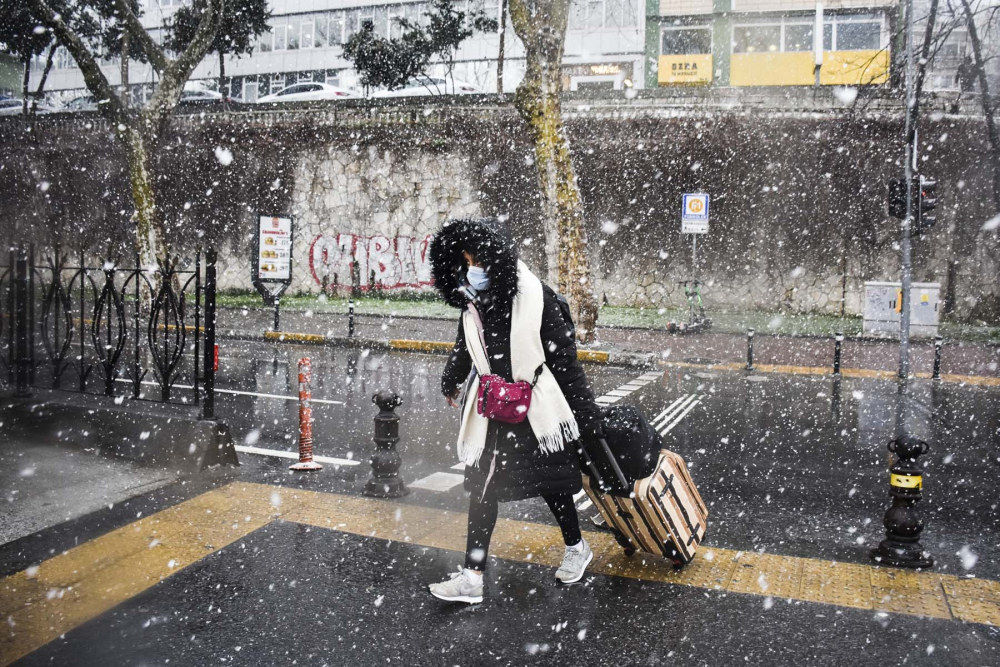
[(483, 518)]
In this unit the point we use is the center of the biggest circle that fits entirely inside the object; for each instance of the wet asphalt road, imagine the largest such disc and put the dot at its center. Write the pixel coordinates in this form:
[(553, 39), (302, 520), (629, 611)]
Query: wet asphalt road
[(288, 595), (795, 465), (790, 465)]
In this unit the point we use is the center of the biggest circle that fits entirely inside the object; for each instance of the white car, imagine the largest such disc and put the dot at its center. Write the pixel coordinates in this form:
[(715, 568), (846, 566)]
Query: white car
[(12, 106), (430, 85), (306, 92), (82, 103)]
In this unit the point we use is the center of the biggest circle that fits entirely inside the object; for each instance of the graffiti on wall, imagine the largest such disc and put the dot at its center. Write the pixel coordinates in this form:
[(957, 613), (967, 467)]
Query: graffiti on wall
[(388, 263)]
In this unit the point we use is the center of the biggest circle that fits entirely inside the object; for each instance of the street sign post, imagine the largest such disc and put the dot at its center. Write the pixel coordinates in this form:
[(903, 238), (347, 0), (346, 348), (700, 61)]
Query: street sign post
[(694, 221), (272, 260)]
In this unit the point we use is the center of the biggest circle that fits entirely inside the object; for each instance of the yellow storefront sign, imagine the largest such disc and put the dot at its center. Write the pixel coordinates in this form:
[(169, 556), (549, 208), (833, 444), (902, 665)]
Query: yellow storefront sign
[(853, 68), (840, 68), (685, 69)]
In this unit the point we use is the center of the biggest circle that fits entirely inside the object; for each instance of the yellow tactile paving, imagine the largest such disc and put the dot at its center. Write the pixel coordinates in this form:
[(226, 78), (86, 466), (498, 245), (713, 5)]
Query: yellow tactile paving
[(767, 574), (832, 582), (68, 589), (57, 595)]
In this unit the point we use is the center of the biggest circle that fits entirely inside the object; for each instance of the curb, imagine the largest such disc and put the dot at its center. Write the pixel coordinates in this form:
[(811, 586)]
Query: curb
[(780, 369), (424, 346)]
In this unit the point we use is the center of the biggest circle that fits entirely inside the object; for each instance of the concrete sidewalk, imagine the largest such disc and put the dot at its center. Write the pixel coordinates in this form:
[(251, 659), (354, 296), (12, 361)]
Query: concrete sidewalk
[(970, 359)]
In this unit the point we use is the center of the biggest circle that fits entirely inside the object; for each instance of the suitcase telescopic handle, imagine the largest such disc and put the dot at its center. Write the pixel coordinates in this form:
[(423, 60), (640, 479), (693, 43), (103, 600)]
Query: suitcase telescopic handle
[(611, 459)]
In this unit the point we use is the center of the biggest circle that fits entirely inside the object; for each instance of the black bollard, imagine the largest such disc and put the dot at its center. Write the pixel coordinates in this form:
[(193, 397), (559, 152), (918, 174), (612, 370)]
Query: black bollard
[(350, 318), (903, 525), (385, 481), (938, 342), (837, 344), (749, 349)]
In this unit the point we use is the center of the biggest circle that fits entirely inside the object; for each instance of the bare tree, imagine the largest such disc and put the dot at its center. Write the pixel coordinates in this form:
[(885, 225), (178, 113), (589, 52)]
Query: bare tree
[(139, 131), (979, 63), (541, 25)]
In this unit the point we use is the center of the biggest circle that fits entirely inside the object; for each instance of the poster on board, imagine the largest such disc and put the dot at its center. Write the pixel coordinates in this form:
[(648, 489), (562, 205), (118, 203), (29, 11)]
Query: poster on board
[(274, 250)]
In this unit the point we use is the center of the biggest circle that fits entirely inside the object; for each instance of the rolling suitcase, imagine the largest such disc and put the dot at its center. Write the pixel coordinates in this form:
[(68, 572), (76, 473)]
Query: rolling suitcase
[(664, 515)]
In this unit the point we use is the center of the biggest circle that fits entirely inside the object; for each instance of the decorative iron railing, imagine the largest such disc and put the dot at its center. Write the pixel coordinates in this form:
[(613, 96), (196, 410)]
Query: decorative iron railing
[(103, 329)]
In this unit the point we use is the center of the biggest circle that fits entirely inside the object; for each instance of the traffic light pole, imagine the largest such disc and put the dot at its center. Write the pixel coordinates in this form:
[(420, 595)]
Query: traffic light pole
[(905, 245)]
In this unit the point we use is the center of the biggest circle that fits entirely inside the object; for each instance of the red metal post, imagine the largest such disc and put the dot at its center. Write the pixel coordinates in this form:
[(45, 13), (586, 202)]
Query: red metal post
[(305, 419)]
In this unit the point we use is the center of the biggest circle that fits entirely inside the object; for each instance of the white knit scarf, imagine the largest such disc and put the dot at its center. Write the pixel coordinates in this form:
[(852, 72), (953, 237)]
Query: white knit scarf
[(549, 414)]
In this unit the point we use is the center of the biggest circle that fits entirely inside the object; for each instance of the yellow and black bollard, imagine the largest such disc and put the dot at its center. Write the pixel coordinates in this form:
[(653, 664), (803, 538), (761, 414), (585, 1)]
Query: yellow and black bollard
[(903, 525)]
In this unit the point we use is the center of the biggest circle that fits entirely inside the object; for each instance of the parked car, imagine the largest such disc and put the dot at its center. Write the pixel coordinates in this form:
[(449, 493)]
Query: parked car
[(12, 106), (430, 85), (305, 92), (200, 96), (82, 103)]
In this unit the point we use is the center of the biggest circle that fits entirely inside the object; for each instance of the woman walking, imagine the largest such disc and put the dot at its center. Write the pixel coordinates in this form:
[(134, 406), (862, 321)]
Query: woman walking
[(511, 331)]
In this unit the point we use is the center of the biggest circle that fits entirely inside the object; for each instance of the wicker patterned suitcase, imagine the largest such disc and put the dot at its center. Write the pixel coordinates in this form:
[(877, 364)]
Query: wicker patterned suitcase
[(666, 516)]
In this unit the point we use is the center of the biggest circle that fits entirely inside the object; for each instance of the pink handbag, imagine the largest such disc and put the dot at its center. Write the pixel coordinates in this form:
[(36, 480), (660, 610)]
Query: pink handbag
[(498, 399)]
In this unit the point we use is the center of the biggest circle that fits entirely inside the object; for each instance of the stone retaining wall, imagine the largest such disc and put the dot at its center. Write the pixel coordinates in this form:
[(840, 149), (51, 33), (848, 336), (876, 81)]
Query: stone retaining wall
[(798, 209)]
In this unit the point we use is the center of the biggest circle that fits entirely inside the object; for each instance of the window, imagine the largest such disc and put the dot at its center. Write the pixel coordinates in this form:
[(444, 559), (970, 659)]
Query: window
[(308, 32), (304, 77), (280, 37), (395, 30), (367, 17), (336, 28), (381, 21), (322, 30), (266, 41), (250, 91), (350, 23), (293, 34), (685, 41), (333, 78), (277, 83), (799, 37), (595, 14), (858, 36), (757, 39)]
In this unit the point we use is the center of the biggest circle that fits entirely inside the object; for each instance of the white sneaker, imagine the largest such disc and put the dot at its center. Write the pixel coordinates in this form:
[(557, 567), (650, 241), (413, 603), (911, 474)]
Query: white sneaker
[(574, 564), (460, 587)]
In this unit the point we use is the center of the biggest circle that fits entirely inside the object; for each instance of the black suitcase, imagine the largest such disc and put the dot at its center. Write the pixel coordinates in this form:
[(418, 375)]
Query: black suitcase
[(633, 444)]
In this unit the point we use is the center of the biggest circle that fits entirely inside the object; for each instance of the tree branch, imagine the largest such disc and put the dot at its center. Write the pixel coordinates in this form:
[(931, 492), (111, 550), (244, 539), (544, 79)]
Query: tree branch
[(153, 52), (45, 75), (92, 75), (177, 72)]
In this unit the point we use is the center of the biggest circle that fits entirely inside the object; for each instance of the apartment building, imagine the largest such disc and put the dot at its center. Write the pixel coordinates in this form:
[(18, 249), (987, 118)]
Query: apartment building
[(605, 46)]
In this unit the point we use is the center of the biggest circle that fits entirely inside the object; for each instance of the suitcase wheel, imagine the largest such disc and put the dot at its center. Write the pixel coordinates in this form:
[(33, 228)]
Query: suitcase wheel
[(625, 544)]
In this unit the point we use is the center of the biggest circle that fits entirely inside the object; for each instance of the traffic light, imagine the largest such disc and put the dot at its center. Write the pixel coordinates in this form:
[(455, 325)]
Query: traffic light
[(897, 197), (926, 202)]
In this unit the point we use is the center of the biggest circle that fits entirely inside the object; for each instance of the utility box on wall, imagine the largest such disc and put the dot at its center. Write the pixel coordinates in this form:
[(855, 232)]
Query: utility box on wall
[(883, 307)]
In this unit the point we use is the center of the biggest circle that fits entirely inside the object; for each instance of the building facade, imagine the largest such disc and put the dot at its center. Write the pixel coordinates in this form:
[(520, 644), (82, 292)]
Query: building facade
[(768, 42), (605, 46), (610, 44)]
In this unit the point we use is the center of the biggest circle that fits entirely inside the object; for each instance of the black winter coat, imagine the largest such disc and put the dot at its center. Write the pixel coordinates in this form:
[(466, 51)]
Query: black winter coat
[(521, 469)]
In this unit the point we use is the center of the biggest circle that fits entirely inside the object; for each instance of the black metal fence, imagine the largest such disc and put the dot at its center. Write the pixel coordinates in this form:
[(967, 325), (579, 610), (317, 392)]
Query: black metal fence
[(139, 332)]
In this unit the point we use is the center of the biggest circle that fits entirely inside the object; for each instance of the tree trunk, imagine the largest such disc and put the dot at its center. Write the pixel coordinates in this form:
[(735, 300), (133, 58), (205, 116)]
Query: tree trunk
[(49, 58), (149, 232), (125, 95), (541, 25), (222, 75), (500, 52), (24, 87), (984, 96)]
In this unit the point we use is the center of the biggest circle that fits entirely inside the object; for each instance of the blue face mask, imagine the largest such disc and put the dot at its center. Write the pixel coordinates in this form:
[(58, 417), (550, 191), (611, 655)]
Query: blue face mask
[(477, 278)]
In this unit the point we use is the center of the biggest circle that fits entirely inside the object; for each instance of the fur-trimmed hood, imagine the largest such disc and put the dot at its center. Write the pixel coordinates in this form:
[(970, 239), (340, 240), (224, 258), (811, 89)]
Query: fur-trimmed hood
[(490, 241)]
